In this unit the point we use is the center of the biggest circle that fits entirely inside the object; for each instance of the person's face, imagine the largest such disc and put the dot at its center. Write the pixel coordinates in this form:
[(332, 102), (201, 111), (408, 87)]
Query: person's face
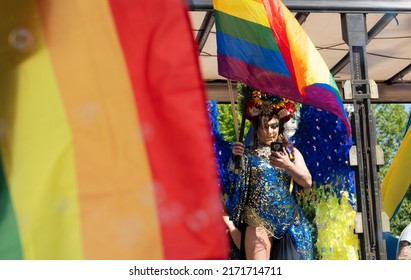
[(268, 131)]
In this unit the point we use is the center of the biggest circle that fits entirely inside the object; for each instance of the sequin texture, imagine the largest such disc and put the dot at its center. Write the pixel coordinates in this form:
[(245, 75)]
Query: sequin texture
[(264, 200)]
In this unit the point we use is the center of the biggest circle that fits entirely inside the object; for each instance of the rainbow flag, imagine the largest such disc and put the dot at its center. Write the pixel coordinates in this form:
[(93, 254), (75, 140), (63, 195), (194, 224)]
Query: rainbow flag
[(261, 44), (105, 143), (398, 178)]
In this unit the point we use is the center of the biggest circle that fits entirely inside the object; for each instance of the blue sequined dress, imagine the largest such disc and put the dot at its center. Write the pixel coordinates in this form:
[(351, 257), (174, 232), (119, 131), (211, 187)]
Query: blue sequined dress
[(260, 196)]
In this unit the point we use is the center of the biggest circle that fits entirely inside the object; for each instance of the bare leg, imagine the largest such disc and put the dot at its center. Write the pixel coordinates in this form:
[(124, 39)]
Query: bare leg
[(257, 244), (234, 232)]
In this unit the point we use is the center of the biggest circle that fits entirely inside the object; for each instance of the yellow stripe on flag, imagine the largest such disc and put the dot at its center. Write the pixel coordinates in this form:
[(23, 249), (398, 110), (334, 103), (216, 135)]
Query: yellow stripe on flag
[(398, 178), (117, 199), (36, 143), (250, 10)]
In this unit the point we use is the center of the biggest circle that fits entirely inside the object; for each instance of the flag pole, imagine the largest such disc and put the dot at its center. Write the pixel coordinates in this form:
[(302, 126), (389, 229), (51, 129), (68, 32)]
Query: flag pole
[(238, 160), (231, 95)]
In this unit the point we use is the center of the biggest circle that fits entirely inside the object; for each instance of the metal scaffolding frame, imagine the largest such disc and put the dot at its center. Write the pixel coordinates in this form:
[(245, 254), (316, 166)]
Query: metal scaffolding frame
[(367, 185), (364, 152), (325, 6)]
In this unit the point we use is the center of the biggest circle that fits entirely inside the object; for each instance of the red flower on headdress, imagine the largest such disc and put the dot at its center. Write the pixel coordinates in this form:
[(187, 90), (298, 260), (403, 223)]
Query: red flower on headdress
[(285, 109), (261, 103)]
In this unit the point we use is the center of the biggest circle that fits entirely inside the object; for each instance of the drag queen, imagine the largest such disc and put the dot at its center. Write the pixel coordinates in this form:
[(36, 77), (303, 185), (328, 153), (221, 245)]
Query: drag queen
[(261, 208)]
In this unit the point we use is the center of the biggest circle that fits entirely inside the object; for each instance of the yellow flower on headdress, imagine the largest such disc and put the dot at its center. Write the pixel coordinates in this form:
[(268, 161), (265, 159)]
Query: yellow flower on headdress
[(262, 103), (256, 96), (280, 104)]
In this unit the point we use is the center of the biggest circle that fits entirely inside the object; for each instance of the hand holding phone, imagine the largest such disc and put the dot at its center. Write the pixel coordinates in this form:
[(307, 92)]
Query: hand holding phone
[(276, 147)]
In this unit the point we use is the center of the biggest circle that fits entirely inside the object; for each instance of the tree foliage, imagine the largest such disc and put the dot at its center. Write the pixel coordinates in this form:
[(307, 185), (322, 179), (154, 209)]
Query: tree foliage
[(226, 121), (403, 216), (391, 122)]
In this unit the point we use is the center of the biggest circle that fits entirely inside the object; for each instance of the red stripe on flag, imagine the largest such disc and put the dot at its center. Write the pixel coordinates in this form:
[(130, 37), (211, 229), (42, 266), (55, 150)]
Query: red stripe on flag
[(161, 56), (275, 14)]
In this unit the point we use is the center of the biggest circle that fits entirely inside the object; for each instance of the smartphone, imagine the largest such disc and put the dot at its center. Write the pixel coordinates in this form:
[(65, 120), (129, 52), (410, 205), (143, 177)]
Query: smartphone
[(276, 146)]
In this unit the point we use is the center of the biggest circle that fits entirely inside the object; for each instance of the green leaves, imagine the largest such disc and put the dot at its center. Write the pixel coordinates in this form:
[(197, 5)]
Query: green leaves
[(391, 121), (226, 121)]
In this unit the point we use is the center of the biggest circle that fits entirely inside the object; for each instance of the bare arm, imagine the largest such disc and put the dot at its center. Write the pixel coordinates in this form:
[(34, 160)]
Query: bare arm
[(298, 169)]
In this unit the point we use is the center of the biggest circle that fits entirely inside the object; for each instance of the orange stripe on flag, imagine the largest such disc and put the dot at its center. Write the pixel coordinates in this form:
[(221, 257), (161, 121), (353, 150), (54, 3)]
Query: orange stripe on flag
[(118, 211), (170, 95)]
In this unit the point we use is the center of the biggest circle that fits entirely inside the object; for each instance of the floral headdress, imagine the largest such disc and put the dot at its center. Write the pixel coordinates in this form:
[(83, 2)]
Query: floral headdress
[(261, 103)]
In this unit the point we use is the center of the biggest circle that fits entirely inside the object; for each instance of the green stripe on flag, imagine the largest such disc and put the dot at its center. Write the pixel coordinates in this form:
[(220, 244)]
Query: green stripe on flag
[(10, 248), (245, 30)]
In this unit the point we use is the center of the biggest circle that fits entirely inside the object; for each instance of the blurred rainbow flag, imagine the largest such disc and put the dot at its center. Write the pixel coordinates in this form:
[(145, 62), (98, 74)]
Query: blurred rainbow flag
[(261, 44), (398, 178), (105, 143)]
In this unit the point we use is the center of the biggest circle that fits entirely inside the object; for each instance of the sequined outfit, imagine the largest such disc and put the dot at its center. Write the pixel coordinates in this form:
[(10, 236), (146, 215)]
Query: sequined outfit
[(260, 197)]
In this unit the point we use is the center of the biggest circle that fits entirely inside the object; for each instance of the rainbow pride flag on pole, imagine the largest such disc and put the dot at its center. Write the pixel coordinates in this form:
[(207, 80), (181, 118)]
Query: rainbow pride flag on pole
[(261, 44), (398, 178), (105, 143)]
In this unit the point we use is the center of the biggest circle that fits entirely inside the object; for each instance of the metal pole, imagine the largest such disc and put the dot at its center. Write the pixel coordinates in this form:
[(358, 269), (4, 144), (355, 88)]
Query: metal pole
[(375, 30), (205, 29), (326, 6), (369, 205)]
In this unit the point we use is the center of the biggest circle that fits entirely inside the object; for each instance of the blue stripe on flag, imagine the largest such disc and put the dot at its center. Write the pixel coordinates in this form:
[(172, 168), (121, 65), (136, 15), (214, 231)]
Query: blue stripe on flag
[(251, 54)]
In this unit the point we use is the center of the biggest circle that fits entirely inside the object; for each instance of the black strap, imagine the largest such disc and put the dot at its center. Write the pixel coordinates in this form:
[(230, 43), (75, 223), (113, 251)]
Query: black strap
[(295, 211), (243, 224), (242, 244)]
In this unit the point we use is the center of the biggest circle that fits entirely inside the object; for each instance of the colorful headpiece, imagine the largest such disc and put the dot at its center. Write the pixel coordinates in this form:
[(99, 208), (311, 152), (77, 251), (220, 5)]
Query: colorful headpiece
[(261, 103)]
